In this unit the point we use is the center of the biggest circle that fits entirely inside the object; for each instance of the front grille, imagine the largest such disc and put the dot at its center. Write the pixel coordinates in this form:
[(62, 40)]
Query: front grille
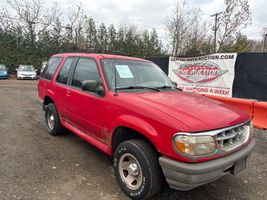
[(230, 139)]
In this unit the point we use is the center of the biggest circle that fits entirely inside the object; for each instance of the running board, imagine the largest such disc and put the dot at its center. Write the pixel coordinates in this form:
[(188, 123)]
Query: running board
[(88, 138)]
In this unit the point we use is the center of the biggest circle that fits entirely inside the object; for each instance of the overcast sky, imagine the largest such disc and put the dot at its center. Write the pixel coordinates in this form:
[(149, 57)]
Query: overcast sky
[(152, 13)]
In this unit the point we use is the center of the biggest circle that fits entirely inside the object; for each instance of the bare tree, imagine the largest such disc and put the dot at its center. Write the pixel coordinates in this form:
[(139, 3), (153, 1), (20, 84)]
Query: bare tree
[(255, 45), (180, 26), (5, 21), (75, 22), (32, 15), (198, 39), (264, 31), (237, 15)]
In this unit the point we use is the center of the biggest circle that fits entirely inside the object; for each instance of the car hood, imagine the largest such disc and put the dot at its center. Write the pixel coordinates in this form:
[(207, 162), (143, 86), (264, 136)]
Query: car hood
[(197, 112)]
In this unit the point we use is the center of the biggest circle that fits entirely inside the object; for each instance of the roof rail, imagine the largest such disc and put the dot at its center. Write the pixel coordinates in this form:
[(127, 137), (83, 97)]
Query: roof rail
[(103, 51)]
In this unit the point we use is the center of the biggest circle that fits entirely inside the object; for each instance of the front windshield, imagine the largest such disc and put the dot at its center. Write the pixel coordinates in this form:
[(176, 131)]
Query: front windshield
[(2, 67), (26, 68), (132, 73)]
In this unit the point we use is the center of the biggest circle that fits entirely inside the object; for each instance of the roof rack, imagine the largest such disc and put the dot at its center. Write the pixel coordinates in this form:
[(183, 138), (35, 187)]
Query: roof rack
[(102, 51), (97, 51)]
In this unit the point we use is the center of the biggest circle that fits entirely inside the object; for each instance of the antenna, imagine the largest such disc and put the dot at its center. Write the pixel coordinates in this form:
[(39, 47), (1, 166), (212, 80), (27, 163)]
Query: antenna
[(115, 80)]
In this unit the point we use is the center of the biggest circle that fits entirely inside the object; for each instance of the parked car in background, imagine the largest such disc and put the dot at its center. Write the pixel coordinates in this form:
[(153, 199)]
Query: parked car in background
[(131, 110), (26, 72), (3, 72)]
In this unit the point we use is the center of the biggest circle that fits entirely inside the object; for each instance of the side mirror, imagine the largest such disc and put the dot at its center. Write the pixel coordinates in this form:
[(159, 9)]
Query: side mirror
[(175, 84), (93, 86)]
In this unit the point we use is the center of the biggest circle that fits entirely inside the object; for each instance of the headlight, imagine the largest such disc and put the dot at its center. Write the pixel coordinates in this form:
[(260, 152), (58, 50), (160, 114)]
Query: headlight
[(194, 145), (5, 73)]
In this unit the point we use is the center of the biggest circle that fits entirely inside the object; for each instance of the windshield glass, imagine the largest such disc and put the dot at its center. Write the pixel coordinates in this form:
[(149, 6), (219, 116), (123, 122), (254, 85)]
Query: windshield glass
[(134, 73), (2, 67), (26, 68)]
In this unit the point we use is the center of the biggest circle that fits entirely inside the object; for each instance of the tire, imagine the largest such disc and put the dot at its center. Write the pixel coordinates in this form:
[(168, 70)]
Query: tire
[(136, 162), (52, 120)]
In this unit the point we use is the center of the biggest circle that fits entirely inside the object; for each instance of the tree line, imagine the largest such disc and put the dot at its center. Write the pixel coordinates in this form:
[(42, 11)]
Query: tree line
[(31, 32)]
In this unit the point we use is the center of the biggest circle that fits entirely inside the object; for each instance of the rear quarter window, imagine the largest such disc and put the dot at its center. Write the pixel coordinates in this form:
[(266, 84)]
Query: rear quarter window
[(51, 67)]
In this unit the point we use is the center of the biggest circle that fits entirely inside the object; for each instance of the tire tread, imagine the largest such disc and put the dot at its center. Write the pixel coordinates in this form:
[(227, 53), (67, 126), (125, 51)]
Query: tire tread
[(152, 159), (58, 128)]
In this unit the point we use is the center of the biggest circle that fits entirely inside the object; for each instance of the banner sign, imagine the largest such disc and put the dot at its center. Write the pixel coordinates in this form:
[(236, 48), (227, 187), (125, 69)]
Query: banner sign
[(211, 74)]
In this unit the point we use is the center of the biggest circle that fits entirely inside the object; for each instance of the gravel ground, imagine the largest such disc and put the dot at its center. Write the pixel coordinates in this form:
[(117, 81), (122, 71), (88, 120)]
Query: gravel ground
[(34, 165)]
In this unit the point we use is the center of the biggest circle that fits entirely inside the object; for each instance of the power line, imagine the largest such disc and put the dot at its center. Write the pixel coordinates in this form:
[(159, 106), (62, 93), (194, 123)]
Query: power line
[(215, 28)]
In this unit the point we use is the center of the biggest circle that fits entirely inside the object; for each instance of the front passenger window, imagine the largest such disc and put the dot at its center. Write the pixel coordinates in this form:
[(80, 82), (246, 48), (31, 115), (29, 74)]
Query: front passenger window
[(86, 69)]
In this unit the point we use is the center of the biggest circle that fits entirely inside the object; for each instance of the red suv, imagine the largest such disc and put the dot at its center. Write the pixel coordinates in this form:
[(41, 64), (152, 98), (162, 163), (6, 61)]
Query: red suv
[(131, 110)]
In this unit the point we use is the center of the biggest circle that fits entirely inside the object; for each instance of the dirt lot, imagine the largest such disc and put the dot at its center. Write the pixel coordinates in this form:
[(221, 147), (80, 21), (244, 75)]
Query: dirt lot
[(34, 165)]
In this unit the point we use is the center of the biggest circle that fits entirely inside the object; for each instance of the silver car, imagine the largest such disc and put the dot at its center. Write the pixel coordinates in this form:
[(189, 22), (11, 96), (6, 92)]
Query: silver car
[(26, 72)]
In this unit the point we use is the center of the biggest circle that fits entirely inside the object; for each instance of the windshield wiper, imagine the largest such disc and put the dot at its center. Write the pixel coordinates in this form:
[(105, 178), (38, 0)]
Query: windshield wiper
[(165, 86), (168, 86), (137, 87)]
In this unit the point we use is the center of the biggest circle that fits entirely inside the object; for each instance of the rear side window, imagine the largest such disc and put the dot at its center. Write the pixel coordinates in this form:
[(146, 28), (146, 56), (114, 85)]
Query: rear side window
[(51, 68), (86, 69), (64, 71)]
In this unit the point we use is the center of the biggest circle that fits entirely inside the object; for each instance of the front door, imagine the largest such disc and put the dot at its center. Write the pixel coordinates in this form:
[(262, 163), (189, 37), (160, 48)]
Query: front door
[(86, 109)]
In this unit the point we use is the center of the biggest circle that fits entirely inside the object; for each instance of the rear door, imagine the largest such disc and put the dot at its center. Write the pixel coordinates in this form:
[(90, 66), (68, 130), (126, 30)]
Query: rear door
[(62, 85), (86, 109)]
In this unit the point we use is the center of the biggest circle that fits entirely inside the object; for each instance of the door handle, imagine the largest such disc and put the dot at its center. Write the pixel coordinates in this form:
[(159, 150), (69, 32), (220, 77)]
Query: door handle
[(68, 93)]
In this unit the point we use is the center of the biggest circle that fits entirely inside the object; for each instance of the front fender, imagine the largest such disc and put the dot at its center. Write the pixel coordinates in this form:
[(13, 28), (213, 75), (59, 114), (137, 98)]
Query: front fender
[(139, 125)]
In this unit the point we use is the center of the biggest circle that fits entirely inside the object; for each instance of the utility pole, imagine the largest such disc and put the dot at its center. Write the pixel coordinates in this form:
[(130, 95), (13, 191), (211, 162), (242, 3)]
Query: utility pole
[(264, 49), (215, 28), (32, 36)]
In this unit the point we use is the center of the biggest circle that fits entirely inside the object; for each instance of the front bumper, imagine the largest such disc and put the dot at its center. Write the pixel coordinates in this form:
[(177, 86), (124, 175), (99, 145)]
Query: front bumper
[(26, 77), (186, 176), (3, 76)]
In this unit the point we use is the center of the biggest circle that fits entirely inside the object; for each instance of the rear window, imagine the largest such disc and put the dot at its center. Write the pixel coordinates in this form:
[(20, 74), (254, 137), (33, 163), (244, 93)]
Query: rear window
[(26, 68), (2, 67), (51, 67)]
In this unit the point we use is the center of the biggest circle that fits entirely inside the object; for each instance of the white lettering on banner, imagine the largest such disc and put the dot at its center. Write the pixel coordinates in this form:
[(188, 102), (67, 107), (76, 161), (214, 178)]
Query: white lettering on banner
[(210, 74)]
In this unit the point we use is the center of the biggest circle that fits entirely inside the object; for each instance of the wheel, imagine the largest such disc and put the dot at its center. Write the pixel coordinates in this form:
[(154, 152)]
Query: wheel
[(52, 120), (137, 169)]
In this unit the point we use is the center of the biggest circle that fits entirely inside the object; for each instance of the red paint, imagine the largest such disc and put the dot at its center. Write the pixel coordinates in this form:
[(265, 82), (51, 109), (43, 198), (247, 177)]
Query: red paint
[(156, 115)]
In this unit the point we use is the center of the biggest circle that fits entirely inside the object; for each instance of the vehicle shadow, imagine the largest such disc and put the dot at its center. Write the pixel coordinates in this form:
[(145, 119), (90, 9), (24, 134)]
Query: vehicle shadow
[(226, 188)]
